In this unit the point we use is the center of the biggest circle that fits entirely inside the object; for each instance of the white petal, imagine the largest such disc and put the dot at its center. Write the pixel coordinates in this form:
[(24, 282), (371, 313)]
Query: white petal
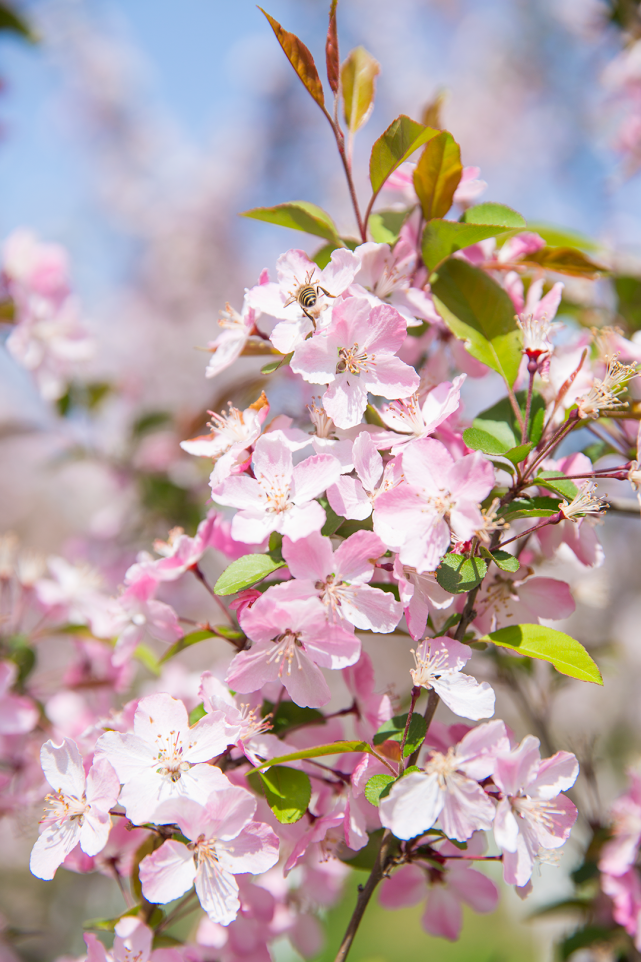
[(465, 696), (412, 806)]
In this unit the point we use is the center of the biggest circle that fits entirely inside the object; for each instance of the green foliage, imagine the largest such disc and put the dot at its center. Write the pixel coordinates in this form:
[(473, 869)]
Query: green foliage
[(272, 366), (504, 560), (437, 175), (287, 791), (566, 260), (358, 75), (480, 313), (586, 936), (568, 656), (539, 507), (394, 146), (12, 22), (246, 571), (494, 214), (365, 858), (458, 574), (376, 786), (393, 730), (202, 634), (196, 714), (555, 481), (385, 225), (335, 748), (503, 411), (298, 215), (147, 423), (333, 521), (562, 237), (289, 715), (443, 237), (491, 437), (629, 293), (164, 499), (81, 396), (23, 656), (300, 58)]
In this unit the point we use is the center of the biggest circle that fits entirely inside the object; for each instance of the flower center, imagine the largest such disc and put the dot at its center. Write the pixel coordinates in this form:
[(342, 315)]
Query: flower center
[(63, 806), (428, 668), (353, 361), (170, 757), (536, 810), (442, 765), (286, 651), (205, 851)]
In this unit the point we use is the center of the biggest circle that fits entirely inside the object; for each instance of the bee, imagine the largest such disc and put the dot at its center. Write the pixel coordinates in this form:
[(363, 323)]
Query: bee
[(306, 296)]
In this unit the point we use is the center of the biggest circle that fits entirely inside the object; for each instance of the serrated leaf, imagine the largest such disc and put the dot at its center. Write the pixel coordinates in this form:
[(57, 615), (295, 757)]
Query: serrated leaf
[(394, 146), (437, 175), (458, 574), (557, 482), (519, 453), (568, 656), (300, 58), (393, 730), (298, 215), (288, 791), (385, 225), (496, 214), (490, 437), (244, 572), (358, 75), (274, 365), (441, 238), (480, 313), (505, 561), (331, 50), (375, 787), (538, 507), (566, 260)]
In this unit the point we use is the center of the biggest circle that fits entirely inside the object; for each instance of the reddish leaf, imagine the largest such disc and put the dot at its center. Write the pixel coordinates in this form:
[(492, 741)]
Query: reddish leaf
[(566, 260), (437, 175), (300, 58), (331, 49)]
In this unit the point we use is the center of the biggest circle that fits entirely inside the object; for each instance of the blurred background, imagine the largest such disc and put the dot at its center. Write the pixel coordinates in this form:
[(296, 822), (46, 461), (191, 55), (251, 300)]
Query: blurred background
[(133, 133)]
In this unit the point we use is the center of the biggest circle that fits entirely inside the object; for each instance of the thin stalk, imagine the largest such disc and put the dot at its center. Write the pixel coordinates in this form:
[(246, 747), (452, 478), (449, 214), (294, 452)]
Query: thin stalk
[(196, 570), (554, 441), (415, 693), (532, 367), (515, 406), (365, 893), (553, 519)]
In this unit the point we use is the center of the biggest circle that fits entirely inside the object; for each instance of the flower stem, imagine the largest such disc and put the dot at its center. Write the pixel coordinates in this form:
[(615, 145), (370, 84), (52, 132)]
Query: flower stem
[(528, 404)]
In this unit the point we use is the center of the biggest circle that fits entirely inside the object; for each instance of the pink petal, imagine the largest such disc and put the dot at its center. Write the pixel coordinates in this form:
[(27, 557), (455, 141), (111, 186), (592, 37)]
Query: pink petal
[(443, 915), (391, 378), (348, 499), (354, 558), (367, 461), (309, 557), (413, 805), (167, 873), (312, 476), (371, 609), (302, 520), (315, 360), (63, 768), (406, 886), (514, 771), (345, 400), (547, 598), (254, 850)]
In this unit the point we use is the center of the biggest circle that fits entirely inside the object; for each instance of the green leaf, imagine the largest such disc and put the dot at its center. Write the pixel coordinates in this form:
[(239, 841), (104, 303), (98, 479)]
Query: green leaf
[(443, 237), (539, 507), (272, 366), (287, 791), (479, 312), (393, 729), (505, 561), (298, 215), (332, 520), (196, 714), (565, 260), (519, 453), (187, 641), (365, 859), (349, 527), (10, 21), (503, 411), (300, 58), (458, 574), (394, 146), (562, 237), (335, 748), (587, 936), (290, 715), (358, 74), (385, 225), (557, 482), (375, 787), (495, 214), (536, 641), (490, 437), (147, 423), (437, 175), (146, 657), (246, 571)]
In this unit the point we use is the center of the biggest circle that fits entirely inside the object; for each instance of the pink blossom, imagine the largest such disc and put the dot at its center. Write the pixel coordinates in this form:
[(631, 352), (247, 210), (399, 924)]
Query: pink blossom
[(73, 593), (356, 355), (340, 579), (625, 892), (470, 186), (620, 852), (447, 788), (253, 737), (78, 810), (354, 498), (438, 493), (507, 598), (137, 613), (163, 758), (450, 887), (419, 594), (231, 438), (33, 267), (532, 816), (236, 329), (415, 420), (438, 665), (224, 842), (387, 274), (372, 708), (18, 714), (280, 497), (295, 271), (291, 640)]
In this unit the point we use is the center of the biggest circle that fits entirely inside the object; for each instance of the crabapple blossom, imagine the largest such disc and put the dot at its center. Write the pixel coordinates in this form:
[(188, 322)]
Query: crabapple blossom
[(224, 842), (508, 598), (292, 638), (340, 579), (231, 437), (447, 789), (419, 594), (18, 714), (138, 613), (415, 420), (253, 737), (438, 665), (533, 815), (164, 758), (438, 493), (620, 852), (354, 355), (354, 498), (280, 497), (236, 329), (78, 809)]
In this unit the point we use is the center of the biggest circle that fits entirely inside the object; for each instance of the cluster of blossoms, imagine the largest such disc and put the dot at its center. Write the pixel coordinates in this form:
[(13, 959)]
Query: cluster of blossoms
[(386, 509)]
